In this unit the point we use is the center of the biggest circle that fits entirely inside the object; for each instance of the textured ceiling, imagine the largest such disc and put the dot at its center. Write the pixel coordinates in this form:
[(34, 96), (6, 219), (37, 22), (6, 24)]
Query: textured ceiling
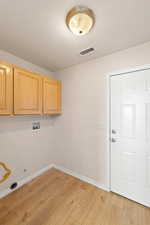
[(35, 30)]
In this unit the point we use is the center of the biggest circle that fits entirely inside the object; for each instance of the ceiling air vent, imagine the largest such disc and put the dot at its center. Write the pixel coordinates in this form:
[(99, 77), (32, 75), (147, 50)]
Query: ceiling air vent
[(86, 51)]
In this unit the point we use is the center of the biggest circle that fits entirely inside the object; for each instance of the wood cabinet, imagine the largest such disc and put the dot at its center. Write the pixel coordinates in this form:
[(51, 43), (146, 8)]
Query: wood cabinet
[(51, 96), (27, 92), (6, 89), (24, 92)]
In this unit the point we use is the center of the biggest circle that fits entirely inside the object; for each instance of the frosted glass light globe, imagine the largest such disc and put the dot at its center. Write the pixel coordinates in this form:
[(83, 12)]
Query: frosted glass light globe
[(80, 20)]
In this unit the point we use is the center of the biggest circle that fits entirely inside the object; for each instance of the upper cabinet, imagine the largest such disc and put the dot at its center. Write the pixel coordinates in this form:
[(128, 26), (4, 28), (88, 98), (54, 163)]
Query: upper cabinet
[(6, 89), (51, 96), (27, 92), (23, 92)]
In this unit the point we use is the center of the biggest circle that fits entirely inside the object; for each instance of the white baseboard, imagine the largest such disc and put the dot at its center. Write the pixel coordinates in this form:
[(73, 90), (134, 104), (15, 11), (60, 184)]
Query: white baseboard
[(25, 181), (67, 171), (81, 177)]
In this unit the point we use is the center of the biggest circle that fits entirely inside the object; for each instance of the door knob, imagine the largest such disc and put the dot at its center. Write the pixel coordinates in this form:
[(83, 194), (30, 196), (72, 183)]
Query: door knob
[(113, 131), (113, 140)]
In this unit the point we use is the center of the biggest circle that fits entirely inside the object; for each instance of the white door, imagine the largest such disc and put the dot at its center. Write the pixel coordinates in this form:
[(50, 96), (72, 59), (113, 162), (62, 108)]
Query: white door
[(130, 136)]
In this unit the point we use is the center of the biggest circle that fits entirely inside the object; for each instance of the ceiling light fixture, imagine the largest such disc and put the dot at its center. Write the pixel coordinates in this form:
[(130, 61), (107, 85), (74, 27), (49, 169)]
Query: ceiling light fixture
[(80, 20)]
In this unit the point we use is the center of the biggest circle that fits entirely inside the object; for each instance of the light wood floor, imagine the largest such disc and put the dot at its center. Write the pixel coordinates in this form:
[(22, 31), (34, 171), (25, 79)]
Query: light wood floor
[(59, 199)]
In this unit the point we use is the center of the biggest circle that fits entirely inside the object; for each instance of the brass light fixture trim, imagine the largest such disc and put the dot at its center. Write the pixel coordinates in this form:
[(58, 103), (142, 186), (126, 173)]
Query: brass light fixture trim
[(80, 20)]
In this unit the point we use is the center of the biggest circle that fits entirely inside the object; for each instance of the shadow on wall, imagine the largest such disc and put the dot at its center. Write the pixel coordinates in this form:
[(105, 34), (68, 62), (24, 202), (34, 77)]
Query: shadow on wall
[(23, 150), (21, 123)]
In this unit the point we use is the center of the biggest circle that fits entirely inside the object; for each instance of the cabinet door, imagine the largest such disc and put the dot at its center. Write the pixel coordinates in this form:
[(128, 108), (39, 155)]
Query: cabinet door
[(52, 96), (27, 92), (6, 89)]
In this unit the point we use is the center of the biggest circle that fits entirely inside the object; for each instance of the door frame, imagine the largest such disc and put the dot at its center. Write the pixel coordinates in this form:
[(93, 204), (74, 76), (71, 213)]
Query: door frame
[(116, 73)]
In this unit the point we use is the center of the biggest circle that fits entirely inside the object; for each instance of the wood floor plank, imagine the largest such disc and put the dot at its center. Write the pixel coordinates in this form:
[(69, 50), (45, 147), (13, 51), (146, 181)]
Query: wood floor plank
[(24, 198), (56, 198)]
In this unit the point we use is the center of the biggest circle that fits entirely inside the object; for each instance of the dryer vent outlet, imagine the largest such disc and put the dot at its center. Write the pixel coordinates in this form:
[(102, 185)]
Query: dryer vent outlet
[(87, 51), (13, 186)]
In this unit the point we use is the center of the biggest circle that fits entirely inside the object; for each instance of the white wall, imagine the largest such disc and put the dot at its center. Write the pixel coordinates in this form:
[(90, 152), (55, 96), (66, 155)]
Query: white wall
[(82, 128), (21, 148), (7, 57)]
